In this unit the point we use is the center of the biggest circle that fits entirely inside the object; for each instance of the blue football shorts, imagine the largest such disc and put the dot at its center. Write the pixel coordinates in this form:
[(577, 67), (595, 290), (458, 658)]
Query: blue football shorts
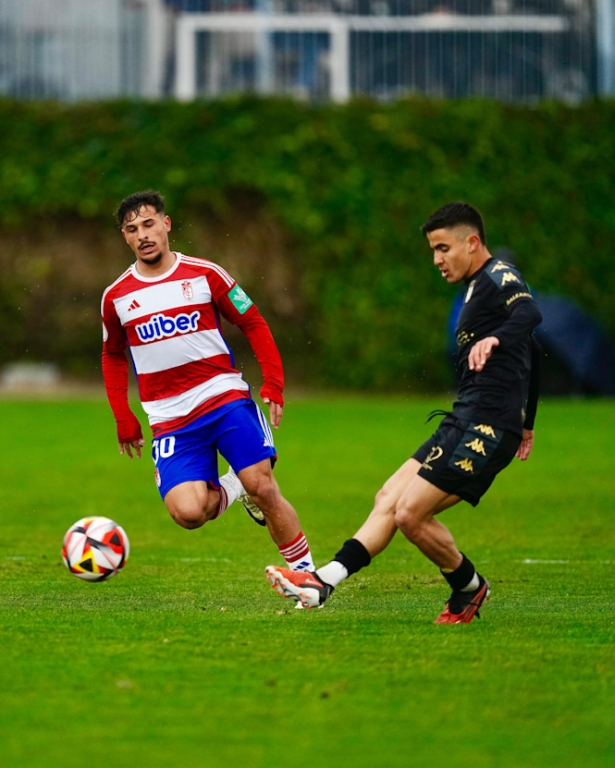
[(239, 431)]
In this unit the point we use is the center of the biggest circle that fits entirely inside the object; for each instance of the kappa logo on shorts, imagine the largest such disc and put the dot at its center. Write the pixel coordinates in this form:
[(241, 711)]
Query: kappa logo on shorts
[(477, 445), (473, 453), (465, 464), (485, 429)]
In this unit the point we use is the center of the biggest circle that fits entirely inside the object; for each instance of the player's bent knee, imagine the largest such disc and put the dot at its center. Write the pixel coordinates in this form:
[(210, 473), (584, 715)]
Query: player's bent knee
[(188, 518), (384, 501), (380, 497), (189, 514), (264, 493), (191, 505), (407, 521)]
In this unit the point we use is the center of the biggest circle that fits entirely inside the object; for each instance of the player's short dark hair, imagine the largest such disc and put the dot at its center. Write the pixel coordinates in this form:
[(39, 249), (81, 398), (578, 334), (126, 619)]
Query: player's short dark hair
[(455, 215), (136, 201)]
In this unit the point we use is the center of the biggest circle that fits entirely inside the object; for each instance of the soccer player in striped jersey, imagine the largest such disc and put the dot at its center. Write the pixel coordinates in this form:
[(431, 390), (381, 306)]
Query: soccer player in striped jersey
[(491, 421), (165, 310)]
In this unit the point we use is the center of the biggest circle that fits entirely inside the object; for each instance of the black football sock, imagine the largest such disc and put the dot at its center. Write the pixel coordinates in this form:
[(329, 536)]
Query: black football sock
[(353, 556), (461, 577)]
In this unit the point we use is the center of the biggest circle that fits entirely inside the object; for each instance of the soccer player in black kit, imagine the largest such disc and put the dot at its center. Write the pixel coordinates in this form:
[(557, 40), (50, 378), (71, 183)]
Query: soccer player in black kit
[(491, 422)]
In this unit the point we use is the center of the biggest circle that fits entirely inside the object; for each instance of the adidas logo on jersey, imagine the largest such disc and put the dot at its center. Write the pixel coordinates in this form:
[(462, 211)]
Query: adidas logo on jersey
[(161, 326), (135, 305)]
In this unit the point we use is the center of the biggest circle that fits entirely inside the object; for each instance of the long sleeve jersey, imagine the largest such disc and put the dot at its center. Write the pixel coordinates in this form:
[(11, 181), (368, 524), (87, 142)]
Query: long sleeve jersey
[(171, 327), (505, 393)]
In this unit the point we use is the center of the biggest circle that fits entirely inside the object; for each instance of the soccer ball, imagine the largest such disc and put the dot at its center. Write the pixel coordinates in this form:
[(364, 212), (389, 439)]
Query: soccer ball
[(95, 548)]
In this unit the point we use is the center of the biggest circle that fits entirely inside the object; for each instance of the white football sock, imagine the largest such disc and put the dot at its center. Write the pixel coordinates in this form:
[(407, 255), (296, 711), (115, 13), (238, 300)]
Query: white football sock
[(473, 584), (333, 573), (230, 490)]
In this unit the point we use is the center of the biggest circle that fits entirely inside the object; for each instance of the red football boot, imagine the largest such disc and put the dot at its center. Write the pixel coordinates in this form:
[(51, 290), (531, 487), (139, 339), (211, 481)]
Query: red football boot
[(303, 586), (462, 607)]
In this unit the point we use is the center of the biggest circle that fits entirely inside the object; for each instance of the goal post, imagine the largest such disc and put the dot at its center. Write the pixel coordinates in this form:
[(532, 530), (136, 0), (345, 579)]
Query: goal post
[(338, 27)]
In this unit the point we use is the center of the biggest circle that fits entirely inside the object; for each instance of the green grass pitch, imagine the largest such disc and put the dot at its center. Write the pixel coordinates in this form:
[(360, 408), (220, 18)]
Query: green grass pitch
[(188, 658)]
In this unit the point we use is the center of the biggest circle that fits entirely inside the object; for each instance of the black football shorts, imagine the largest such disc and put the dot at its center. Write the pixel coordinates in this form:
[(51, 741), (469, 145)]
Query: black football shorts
[(463, 457)]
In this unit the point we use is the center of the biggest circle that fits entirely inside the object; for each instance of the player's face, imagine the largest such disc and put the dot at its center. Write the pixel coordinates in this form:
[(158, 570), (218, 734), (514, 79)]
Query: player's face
[(147, 233), (455, 252)]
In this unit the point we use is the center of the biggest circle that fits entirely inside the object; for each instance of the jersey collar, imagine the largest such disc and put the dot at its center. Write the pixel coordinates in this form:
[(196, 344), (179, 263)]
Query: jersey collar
[(482, 268), (157, 278)]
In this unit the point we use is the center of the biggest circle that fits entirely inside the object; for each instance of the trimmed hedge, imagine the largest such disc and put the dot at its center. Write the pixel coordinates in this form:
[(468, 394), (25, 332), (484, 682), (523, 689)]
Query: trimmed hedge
[(316, 210)]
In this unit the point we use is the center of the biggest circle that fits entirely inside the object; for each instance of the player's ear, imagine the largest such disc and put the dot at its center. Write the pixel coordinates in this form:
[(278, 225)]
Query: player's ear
[(473, 242), (167, 223)]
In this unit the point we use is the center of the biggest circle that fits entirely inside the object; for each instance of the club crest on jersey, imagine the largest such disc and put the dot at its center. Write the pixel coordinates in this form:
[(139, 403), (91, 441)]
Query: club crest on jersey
[(187, 290), (161, 326)]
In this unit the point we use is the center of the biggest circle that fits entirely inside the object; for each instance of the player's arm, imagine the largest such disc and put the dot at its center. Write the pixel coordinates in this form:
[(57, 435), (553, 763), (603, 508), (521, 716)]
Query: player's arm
[(522, 316), (527, 441), (245, 315), (258, 333), (115, 377)]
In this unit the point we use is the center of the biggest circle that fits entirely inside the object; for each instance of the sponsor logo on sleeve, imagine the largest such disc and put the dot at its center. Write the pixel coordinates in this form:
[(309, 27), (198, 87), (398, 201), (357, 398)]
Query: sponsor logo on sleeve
[(520, 295), (240, 299)]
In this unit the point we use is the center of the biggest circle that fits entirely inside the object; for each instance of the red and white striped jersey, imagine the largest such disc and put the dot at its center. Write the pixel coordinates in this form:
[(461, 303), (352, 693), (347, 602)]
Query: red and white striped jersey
[(171, 325)]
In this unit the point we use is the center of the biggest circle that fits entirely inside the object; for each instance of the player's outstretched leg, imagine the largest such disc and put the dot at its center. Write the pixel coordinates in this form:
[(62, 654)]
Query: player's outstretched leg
[(239, 492), (303, 586), (312, 589)]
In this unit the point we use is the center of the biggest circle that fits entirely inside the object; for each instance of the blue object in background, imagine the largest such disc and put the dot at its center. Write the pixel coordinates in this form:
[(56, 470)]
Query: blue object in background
[(579, 343)]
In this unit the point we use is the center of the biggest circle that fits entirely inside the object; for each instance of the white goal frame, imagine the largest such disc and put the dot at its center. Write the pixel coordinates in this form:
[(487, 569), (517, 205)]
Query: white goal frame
[(339, 28)]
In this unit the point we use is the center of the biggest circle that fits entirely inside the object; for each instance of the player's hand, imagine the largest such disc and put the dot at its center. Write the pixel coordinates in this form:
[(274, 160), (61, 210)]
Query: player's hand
[(481, 352), (128, 448), (275, 412), (527, 442)]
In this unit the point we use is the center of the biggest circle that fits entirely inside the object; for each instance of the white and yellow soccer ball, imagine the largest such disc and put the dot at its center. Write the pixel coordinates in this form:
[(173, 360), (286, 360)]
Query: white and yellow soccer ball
[(95, 548)]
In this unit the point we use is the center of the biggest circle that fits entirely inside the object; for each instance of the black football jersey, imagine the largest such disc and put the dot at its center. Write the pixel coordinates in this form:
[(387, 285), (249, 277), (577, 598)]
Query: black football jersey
[(498, 303)]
